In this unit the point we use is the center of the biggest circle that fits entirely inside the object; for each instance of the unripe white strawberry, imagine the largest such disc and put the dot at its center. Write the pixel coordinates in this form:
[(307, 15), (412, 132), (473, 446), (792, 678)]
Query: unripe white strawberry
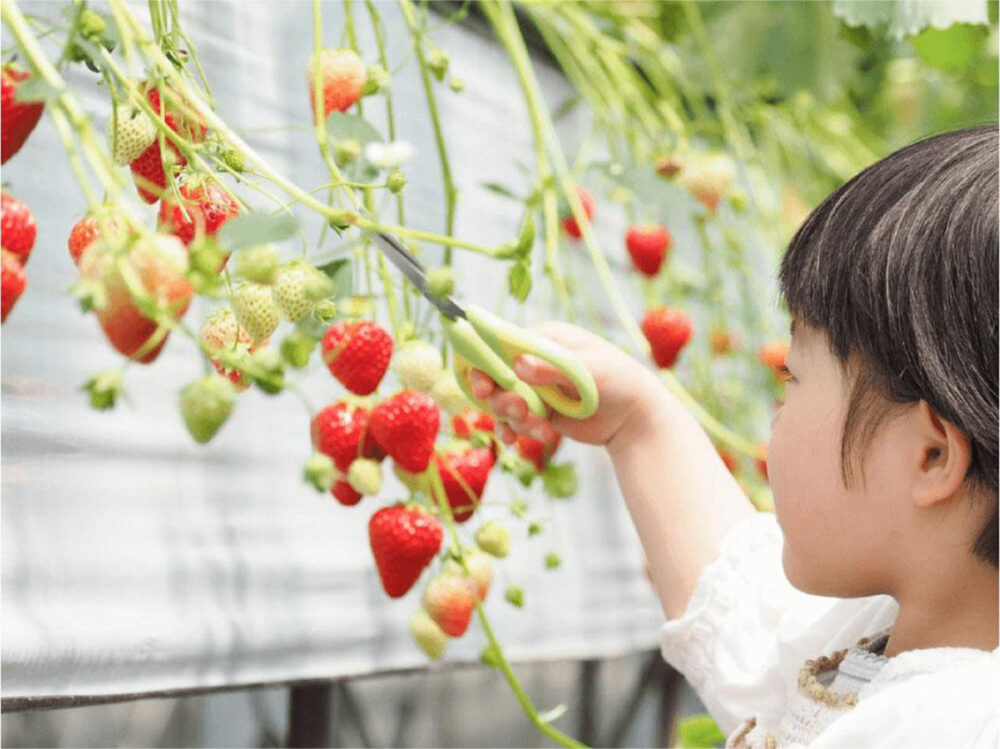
[(365, 476), (428, 635), (480, 569), (296, 288), (205, 405), (255, 310), (709, 179), (417, 364), (448, 394), (135, 133)]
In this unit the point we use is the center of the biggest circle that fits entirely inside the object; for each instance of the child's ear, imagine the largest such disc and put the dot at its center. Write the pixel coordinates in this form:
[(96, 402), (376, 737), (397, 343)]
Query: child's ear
[(943, 460)]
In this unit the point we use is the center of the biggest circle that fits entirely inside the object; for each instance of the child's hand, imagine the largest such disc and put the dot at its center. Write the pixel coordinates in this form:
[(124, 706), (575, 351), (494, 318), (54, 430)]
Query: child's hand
[(622, 385)]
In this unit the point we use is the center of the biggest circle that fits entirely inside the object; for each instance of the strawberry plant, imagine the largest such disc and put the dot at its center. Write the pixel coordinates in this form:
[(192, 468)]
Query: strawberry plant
[(177, 205)]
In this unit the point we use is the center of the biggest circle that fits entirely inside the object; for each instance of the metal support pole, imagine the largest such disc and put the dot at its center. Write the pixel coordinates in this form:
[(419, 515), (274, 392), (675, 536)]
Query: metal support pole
[(309, 716)]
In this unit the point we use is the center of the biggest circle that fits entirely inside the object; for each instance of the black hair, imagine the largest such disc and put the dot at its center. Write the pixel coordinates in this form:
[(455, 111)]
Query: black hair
[(899, 268)]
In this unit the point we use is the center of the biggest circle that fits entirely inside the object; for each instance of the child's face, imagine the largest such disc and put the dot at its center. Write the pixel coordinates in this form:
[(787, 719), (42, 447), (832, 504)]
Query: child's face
[(835, 539)]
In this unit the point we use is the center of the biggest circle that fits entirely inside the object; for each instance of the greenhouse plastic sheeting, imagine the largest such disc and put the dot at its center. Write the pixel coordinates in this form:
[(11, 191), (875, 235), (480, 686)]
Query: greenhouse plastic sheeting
[(136, 561)]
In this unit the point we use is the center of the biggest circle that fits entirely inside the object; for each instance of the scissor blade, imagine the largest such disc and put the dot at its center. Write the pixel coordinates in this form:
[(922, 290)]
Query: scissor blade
[(410, 267)]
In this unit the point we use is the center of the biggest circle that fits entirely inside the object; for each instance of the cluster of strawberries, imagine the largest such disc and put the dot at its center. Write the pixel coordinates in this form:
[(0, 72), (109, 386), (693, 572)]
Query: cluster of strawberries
[(669, 329), (357, 432), (17, 120)]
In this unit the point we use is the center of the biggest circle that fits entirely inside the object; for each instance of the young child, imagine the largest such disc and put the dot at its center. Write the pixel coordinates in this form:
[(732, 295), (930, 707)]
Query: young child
[(863, 612)]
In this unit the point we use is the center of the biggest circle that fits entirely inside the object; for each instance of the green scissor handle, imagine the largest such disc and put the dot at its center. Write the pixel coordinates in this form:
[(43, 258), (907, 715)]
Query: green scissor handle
[(489, 343)]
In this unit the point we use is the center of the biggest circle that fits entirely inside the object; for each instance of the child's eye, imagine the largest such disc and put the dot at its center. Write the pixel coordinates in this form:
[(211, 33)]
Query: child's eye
[(784, 373)]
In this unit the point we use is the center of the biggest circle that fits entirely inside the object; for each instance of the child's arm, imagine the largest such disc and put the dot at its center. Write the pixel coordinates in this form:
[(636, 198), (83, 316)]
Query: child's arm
[(682, 499)]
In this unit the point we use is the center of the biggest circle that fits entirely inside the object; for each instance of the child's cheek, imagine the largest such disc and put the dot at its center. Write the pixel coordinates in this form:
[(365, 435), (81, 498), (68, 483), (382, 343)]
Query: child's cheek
[(800, 466)]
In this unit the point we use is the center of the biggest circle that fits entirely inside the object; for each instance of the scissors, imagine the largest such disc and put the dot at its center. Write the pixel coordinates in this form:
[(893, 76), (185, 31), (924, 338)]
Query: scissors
[(484, 341)]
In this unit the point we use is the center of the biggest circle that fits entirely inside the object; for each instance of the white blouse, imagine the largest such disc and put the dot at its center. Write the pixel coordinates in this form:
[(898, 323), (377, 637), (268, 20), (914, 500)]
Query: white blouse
[(747, 633)]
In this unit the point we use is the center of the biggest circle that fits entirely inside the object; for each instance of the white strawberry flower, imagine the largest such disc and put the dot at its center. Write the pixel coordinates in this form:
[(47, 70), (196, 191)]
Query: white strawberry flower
[(389, 155)]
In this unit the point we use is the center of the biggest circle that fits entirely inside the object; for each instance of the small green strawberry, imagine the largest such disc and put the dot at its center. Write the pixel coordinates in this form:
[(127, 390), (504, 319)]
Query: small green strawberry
[(104, 389), (320, 472), (514, 595), (493, 538), (417, 364), (396, 181), (297, 348), (129, 132), (255, 311), (205, 405), (428, 635), (480, 570), (437, 62), (365, 476), (440, 282)]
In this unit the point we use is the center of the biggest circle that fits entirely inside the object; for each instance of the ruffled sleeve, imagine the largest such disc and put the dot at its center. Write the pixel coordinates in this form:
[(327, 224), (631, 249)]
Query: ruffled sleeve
[(746, 631)]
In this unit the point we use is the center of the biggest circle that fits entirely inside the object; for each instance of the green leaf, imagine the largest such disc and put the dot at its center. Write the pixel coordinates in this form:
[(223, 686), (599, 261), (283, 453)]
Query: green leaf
[(342, 126), (35, 89), (342, 281), (496, 187), (954, 49), (249, 229), (699, 732), (519, 280), (332, 268)]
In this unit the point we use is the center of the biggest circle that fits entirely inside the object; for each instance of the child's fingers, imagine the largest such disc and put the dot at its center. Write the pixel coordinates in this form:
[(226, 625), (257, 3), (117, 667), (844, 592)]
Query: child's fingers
[(537, 371), (507, 435), (482, 384), (508, 405)]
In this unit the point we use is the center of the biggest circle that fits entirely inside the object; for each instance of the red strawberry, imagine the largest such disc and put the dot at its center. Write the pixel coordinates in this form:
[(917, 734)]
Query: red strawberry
[(450, 600), (17, 119), (648, 245), (405, 426), (537, 451), (345, 493), (17, 227), (773, 354), (723, 341), (762, 459), (207, 206), (158, 265), (148, 175), (341, 74), (86, 230), (357, 354), (342, 432), (147, 170), (569, 223), (461, 473), (464, 424), (404, 540), (667, 331), (727, 459), (13, 283)]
